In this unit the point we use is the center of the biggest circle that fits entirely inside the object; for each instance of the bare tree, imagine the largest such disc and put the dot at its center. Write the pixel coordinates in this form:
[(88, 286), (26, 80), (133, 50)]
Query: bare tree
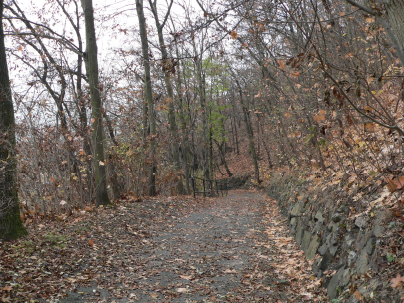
[(91, 61), (11, 226)]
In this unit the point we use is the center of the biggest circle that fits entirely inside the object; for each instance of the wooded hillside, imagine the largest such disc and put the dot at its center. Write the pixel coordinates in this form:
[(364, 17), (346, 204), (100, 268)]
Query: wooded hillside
[(207, 89)]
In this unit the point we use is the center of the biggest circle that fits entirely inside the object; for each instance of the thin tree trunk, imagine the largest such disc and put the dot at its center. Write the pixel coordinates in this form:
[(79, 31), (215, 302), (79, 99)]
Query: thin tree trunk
[(149, 98), (11, 226), (90, 58), (169, 67)]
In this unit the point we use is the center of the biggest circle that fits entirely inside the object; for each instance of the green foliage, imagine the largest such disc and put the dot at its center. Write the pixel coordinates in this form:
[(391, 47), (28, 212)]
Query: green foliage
[(27, 246), (56, 239), (392, 224), (390, 257), (84, 228), (216, 122), (217, 75)]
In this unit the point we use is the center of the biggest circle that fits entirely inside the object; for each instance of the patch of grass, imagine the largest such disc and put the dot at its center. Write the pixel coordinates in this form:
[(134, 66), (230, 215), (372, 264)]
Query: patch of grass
[(27, 246), (84, 228), (56, 239)]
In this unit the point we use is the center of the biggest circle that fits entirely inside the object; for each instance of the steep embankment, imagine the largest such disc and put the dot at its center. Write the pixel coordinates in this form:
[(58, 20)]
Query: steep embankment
[(352, 234)]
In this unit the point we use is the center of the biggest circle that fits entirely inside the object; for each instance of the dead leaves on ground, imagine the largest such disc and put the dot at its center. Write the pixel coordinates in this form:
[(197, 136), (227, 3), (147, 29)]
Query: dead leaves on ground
[(111, 247), (290, 263)]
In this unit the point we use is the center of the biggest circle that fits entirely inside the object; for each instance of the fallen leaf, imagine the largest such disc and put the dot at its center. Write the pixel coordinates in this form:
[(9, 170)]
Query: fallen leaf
[(281, 64), (369, 127), (233, 34), (358, 295), (182, 290), (307, 296), (395, 184), (395, 281), (91, 242)]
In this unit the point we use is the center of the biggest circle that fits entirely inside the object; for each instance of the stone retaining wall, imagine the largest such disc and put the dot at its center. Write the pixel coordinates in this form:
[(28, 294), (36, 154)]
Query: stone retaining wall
[(347, 249)]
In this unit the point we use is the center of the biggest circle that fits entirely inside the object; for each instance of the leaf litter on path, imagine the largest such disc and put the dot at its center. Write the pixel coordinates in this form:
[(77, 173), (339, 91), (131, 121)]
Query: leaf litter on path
[(228, 249)]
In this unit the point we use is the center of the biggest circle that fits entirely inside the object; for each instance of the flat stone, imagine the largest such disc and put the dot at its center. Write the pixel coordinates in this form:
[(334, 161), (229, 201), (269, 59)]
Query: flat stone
[(362, 263), (361, 239), (351, 257), (323, 249), (299, 232), (361, 222), (293, 222), (332, 288), (370, 246), (349, 240), (378, 230), (319, 216), (333, 249), (312, 250), (306, 240), (296, 210), (333, 226), (346, 277)]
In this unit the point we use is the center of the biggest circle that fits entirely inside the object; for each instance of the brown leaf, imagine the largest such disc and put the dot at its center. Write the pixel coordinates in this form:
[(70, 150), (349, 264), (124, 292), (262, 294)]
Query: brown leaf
[(358, 295), (369, 127), (233, 35), (7, 288), (395, 184), (91, 242), (395, 281), (281, 64), (319, 118)]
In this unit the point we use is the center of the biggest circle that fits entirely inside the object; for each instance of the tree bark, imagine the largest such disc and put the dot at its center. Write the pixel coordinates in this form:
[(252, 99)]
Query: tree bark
[(169, 67), (149, 98), (11, 226), (90, 58), (395, 10)]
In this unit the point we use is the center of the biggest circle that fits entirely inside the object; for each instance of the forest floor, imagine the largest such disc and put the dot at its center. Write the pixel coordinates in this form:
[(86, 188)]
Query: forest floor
[(229, 249)]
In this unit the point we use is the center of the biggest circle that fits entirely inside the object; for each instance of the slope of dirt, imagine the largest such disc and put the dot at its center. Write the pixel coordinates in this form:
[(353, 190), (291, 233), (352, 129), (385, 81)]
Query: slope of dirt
[(230, 249)]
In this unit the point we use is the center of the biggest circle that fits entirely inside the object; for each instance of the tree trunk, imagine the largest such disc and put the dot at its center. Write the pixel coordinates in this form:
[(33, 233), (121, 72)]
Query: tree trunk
[(395, 9), (149, 98), (11, 226), (252, 146), (90, 58), (169, 67)]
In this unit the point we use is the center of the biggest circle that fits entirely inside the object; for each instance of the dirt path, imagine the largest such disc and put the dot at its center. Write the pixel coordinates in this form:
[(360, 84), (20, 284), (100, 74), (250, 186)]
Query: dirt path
[(229, 249), (220, 253)]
